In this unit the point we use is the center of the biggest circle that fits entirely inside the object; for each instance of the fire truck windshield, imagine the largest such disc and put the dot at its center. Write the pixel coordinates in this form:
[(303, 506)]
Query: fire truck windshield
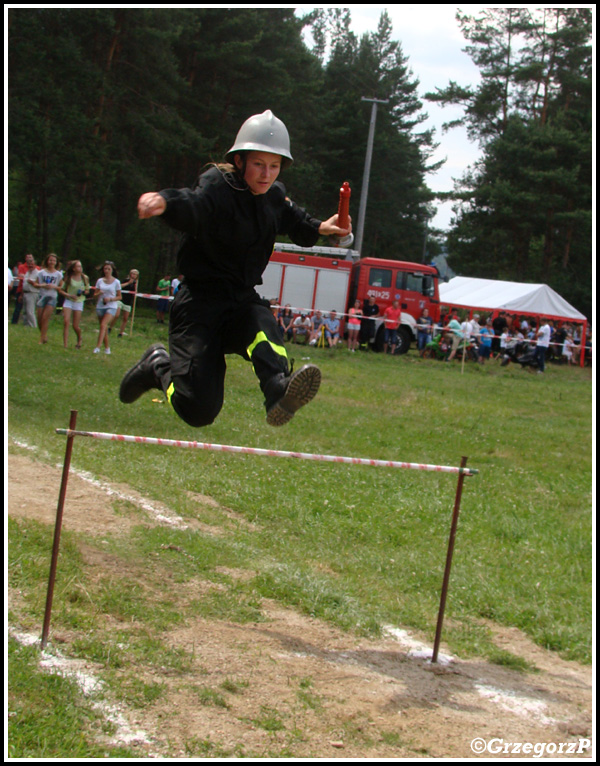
[(380, 277)]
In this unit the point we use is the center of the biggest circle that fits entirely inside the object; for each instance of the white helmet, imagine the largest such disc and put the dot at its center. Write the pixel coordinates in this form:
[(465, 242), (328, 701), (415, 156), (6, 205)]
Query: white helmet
[(263, 133)]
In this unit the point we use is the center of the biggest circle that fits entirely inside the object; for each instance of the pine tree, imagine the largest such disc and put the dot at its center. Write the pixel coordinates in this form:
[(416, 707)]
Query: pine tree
[(374, 67), (525, 211)]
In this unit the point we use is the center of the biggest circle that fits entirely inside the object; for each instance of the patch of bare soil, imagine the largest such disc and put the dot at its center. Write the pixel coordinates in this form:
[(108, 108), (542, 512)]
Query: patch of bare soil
[(292, 686)]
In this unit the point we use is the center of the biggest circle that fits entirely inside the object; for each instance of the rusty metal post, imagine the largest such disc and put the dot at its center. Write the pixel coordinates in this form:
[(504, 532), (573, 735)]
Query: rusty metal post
[(57, 528), (440, 621)]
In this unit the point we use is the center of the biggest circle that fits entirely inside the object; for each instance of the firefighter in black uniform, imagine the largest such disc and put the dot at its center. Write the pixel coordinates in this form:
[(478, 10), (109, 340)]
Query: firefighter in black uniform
[(231, 219)]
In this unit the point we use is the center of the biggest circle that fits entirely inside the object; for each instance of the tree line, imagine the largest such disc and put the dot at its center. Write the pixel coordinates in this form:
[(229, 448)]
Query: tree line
[(106, 103)]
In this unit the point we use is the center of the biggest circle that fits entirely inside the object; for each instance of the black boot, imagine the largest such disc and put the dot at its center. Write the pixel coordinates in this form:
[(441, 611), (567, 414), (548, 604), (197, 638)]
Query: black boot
[(144, 375), (285, 394)]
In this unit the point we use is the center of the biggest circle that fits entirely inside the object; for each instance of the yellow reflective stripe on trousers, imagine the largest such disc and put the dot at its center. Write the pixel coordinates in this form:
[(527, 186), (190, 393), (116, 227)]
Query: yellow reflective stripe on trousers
[(170, 392), (262, 338)]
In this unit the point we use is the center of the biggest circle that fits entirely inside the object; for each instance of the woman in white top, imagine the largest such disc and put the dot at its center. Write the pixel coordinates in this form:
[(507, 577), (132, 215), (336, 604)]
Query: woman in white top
[(108, 294), (47, 280), (568, 348)]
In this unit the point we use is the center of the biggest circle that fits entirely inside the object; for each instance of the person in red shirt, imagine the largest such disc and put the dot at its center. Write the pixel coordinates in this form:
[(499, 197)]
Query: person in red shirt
[(391, 318), (19, 273)]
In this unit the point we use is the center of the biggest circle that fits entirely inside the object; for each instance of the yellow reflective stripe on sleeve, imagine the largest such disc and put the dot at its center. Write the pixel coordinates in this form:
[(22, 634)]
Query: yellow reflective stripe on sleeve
[(262, 338)]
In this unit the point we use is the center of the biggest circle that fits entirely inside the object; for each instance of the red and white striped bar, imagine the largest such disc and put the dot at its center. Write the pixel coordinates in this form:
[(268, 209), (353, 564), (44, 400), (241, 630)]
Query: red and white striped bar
[(266, 452)]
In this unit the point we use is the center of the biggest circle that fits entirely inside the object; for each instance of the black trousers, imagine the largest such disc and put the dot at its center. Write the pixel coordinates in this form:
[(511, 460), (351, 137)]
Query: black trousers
[(202, 330)]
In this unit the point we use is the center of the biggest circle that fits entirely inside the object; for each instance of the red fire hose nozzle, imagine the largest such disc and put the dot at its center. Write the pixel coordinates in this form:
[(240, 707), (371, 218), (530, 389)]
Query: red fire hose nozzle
[(344, 206), (344, 217)]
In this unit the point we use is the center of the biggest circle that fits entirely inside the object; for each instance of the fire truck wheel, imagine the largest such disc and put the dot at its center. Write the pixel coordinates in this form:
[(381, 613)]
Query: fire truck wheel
[(404, 339)]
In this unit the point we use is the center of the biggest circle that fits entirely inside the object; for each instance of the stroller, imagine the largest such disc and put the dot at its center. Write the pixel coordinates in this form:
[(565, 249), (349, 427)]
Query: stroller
[(521, 353)]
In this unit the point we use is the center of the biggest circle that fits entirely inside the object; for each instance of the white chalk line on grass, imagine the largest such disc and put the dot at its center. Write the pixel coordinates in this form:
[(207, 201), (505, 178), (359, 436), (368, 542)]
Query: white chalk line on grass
[(415, 648), (524, 707), (90, 686), (158, 513), (507, 699)]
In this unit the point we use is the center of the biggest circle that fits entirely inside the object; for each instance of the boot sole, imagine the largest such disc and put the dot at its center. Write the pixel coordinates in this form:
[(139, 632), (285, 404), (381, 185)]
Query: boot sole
[(302, 388), (128, 375)]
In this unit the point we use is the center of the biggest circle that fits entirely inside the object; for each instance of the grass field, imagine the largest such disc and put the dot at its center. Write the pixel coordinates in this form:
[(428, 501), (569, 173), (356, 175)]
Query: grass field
[(358, 546)]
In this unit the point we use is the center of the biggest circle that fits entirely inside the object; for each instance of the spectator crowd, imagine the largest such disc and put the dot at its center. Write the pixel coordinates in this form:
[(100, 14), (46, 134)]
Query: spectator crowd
[(40, 290), (503, 336)]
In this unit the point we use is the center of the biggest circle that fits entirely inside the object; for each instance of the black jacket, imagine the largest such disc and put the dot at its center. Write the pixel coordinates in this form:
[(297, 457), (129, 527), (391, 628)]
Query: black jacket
[(230, 232)]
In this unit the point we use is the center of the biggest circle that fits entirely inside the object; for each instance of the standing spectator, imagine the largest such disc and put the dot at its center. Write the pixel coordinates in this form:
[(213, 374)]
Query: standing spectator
[(544, 334), (467, 330), (568, 348), (454, 327), (13, 279), (557, 339), (367, 325), (128, 291), (499, 324), (48, 279), (424, 331), (108, 294), (30, 294), (175, 283), (484, 349), (74, 288), (18, 284), (164, 290), (17, 289), (391, 319), (505, 341), (354, 317), (588, 346)]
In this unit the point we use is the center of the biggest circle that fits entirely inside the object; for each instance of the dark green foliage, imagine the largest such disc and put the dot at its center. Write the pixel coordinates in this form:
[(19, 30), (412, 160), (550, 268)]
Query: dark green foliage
[(107, 103)]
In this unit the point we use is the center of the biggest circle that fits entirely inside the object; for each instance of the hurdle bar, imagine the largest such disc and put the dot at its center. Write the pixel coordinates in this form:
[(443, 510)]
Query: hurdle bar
[(265, 452), (71, 433)]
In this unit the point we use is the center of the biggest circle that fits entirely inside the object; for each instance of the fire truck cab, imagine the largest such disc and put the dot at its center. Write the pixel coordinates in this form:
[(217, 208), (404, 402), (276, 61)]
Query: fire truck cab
[(414, 285)]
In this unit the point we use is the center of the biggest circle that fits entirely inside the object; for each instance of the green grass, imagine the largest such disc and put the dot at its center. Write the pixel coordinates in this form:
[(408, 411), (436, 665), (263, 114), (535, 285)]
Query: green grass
[(358, 546), (47, 715)]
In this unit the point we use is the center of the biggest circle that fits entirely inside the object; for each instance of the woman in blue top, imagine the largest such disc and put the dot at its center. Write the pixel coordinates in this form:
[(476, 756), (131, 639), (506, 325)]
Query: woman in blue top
[(48, 279), (486, 335)]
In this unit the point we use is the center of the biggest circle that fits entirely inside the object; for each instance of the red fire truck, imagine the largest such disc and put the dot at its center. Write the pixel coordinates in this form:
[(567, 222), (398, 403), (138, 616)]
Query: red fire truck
[(320, 278)]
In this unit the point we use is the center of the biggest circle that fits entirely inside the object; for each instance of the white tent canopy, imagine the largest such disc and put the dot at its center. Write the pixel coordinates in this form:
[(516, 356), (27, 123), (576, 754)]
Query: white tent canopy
[(495, 295)]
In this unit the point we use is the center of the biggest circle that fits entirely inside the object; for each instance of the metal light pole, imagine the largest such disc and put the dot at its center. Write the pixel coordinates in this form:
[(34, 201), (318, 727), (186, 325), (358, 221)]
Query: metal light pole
[(367, 172)]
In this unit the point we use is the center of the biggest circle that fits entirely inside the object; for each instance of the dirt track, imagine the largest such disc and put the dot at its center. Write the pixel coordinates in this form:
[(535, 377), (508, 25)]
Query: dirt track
[(301, 688)]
